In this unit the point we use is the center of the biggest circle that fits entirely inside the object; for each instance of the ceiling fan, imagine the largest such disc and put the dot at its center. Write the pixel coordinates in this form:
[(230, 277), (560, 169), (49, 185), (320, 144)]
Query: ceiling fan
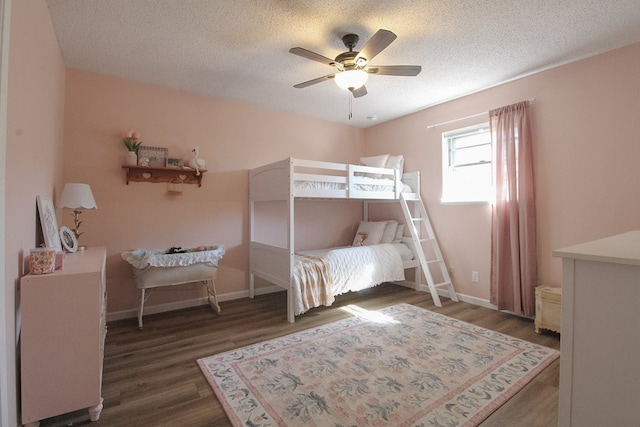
[(353, 66)]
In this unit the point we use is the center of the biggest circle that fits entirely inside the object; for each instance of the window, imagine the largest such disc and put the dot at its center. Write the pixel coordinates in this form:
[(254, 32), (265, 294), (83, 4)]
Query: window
[(466, 165)]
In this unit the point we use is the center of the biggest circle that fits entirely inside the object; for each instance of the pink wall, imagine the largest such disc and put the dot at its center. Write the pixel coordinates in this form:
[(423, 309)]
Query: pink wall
[(586, 160), (586, 163), (232, 138), (35, 108), (579, 124)]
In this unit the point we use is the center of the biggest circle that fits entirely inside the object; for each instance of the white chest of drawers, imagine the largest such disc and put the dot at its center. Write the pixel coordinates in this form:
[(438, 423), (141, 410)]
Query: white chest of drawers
[(600, 342), (62, 338)]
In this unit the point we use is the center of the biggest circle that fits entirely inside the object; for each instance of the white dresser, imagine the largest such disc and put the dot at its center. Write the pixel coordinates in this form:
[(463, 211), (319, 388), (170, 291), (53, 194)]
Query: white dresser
[(62, 338), (600, 340)]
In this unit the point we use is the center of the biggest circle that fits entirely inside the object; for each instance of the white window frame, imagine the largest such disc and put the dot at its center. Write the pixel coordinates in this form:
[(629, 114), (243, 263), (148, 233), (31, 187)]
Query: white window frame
[(455, 190)]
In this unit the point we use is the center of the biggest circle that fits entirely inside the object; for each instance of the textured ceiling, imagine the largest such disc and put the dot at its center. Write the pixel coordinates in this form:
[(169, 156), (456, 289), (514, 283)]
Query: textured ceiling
[(239, 49)]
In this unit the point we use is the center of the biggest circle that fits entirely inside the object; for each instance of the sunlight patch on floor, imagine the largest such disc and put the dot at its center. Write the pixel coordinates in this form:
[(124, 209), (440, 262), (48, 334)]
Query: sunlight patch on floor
[(372, 316)]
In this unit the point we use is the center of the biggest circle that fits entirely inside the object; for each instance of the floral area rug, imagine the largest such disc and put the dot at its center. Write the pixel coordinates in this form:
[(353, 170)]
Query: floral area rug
[(400, 366)]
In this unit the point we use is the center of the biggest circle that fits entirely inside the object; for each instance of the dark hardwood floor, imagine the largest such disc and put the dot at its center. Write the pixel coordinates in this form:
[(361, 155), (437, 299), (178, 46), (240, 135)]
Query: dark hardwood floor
[(151, 377)]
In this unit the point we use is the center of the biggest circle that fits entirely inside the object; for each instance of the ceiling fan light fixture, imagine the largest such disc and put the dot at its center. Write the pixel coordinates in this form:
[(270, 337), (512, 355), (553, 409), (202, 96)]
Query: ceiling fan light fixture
[(351, 79)]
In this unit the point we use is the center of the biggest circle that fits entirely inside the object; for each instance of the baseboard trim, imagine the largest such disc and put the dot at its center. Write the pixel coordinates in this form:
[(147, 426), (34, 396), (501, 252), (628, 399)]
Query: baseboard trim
[(170, 306), (161, 308), (482, 303), (268, 290), (463, 297), (471, 300)]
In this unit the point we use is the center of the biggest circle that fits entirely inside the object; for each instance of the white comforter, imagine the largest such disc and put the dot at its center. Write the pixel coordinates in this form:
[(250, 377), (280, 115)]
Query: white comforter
[(320, 275)]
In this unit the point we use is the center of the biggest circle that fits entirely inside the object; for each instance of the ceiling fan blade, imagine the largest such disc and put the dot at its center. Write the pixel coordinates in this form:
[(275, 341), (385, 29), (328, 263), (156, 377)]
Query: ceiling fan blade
[(312, 55), (376, 44), (395, 70), (314, 81), (360, 92)]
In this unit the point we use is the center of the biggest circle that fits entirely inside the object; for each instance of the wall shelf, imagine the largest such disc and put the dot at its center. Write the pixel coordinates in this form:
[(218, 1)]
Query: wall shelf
[(158, 174)]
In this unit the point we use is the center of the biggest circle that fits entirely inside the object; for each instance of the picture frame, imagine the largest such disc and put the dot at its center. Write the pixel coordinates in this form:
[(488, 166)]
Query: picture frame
[(156, 156), (174, 163), (68, 239), (48, 222)]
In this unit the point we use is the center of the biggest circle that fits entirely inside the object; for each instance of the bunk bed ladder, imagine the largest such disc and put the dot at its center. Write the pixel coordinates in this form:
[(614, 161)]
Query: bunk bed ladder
[(417, 222)]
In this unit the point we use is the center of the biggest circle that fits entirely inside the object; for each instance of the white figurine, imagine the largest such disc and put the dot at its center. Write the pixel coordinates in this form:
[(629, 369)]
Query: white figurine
[(195, 162)]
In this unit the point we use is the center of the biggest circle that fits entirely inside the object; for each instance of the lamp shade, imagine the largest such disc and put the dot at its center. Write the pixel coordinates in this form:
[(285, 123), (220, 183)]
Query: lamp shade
[(351, 79), (77, 196)]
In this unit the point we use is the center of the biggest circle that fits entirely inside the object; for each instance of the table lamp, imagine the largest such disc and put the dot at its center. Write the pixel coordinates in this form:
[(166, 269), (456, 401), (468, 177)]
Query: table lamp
[(77, 197)]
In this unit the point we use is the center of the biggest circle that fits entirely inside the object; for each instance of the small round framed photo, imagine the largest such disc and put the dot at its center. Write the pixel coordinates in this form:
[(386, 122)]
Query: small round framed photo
[(68, 239)]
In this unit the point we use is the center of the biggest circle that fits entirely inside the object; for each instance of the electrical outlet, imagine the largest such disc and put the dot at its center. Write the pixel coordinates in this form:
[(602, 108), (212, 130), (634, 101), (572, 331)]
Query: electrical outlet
[(451, 270), (475, 277)]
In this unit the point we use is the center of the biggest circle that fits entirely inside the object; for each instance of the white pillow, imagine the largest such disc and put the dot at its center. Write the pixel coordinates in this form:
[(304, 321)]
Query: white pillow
[(396, 162), (409, 242), (389, 231), (405, 253), (376, 162), (399, 234), (369, 233)]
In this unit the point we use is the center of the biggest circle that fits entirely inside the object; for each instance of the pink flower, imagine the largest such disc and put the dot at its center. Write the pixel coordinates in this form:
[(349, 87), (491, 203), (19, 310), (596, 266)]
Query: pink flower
[(131, 134), (131, 140)]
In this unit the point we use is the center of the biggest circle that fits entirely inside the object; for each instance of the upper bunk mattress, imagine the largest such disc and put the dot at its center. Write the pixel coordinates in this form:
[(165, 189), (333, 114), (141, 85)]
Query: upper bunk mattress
[(368, 184)]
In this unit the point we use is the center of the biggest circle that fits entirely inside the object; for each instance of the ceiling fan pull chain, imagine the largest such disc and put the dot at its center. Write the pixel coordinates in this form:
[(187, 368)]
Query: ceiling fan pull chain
[(350, 106)]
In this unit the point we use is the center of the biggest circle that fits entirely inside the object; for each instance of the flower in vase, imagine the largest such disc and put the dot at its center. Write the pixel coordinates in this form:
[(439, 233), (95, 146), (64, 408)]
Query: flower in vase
[(131, 140)]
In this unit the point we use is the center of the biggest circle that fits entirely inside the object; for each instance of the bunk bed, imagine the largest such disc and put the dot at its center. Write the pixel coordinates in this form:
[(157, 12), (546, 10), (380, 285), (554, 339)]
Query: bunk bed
[(293, 179)]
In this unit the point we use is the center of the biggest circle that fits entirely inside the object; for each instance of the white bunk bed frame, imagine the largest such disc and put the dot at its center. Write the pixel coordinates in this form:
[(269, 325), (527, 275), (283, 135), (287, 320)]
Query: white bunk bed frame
[(275, 182)]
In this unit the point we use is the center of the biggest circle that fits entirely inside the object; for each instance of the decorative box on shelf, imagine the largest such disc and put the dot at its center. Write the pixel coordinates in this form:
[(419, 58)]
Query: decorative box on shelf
[(548, 308), (153, 156), (160, 174)]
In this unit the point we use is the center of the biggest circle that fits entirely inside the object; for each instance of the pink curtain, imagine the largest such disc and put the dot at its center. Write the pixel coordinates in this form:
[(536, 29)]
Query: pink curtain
[(513, 234)]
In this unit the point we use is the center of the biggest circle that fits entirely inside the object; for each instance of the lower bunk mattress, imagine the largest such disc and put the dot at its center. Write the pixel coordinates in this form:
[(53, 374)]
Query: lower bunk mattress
[(321, 275)]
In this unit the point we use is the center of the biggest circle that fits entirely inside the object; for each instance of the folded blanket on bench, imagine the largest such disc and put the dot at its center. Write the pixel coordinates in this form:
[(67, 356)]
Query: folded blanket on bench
[(142, 258)]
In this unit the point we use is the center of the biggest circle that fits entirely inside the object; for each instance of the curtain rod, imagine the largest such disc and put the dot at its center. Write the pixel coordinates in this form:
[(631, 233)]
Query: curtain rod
[(466, 117)]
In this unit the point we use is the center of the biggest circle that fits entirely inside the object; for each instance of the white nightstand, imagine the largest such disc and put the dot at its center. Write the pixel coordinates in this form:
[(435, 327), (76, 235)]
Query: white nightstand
[(548, 308)]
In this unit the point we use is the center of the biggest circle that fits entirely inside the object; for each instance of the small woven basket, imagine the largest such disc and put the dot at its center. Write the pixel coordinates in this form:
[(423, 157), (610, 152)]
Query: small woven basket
[(175, 186)]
